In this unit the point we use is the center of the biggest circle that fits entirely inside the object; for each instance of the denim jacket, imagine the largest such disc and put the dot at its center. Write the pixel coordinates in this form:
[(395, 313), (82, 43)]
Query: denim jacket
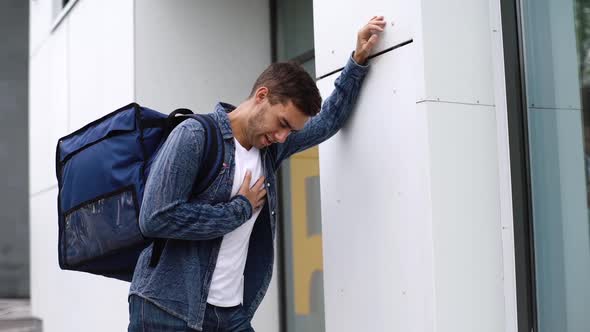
[(196, 224)]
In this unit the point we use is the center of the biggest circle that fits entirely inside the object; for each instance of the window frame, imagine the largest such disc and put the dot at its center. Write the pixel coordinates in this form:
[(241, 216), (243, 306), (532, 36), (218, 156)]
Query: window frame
[(281, 241), (512, 35)]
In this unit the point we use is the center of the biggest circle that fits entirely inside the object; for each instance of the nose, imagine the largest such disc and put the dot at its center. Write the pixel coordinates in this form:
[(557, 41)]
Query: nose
[(281, 135)]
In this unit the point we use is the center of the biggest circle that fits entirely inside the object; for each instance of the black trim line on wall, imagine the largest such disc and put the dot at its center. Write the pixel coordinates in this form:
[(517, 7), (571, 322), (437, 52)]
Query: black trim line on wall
[(519, 163), (370, 57)]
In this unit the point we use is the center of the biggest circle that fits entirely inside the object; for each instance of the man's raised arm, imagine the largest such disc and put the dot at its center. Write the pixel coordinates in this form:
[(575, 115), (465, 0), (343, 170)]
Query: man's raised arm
[(338, 106)]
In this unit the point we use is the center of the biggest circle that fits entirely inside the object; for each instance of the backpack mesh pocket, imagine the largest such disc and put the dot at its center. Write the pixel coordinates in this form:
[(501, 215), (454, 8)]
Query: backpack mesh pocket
[(89, 235)]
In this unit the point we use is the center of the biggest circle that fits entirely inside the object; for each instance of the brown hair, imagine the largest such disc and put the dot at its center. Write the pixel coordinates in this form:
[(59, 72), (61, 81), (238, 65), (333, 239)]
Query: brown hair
[(288, 81)]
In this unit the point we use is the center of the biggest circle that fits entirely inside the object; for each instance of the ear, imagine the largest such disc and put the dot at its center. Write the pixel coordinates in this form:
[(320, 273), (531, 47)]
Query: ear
[(261, 94)]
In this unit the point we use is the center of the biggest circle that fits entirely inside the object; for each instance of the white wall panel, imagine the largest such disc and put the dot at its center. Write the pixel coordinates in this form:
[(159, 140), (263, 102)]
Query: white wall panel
[(64, 300), (504, 170), (336, 24), (456, 51), (39, 135), (48, 108), (101, 59), (195, 53), (40, 20), (465, 217), (58, 89), (375, 207)]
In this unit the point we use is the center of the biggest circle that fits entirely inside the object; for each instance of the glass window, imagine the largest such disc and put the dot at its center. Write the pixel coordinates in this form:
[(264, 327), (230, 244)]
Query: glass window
[(556, 40), (300, 226)]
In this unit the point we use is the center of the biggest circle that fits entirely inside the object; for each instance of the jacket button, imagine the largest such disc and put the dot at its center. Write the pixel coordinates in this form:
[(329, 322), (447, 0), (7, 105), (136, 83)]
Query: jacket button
[(272, 213), (268, 184)]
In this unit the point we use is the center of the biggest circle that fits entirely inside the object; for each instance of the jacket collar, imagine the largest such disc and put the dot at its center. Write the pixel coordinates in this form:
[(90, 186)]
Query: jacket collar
[(220, 115)]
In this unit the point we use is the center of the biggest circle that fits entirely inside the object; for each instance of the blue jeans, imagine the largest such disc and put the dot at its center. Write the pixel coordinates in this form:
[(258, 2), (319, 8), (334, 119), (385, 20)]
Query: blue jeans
[(146, 317)]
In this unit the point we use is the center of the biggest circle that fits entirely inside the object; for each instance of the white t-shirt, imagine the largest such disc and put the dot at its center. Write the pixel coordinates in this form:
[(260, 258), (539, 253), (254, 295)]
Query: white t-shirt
[(227, 283)]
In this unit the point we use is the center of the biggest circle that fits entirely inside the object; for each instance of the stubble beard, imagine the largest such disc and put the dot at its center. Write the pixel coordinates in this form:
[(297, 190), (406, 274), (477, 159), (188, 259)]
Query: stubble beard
[(255, 130)]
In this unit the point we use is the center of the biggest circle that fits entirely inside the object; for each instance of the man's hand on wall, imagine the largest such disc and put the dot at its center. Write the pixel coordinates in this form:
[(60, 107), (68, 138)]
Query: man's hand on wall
[(367, 38)]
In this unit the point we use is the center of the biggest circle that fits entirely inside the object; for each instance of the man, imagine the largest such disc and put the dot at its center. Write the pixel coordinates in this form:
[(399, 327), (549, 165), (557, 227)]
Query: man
[(217, 263)]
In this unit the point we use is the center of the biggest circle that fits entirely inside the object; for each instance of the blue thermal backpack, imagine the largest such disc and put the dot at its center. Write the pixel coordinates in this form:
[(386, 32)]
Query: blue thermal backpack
[(101, 171)]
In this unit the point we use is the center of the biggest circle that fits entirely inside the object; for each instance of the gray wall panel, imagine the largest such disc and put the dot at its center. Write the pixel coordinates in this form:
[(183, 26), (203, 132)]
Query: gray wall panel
[(14, 244)]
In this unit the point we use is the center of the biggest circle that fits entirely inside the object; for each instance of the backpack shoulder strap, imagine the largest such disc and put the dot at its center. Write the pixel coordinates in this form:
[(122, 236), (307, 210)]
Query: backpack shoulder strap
[(213, 154)]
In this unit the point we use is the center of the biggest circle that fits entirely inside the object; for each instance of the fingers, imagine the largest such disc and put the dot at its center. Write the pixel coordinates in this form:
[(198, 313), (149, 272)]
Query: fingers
[(259, 191), (255, 194), (259, 204), (378, 20), (261, 194), (374, 26), (247, 179), (259, 199), (259, 184), (371, 42), (367, 38)]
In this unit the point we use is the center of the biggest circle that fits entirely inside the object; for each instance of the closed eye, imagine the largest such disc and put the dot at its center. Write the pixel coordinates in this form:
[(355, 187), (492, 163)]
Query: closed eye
[(285, 124)]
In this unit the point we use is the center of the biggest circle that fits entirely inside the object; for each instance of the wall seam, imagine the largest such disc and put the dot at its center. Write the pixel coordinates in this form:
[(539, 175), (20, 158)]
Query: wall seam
[(453, 102), (44, 190)]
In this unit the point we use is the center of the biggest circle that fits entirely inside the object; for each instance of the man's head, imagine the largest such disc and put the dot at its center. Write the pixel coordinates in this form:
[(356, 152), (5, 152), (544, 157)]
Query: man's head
[(283, 98)]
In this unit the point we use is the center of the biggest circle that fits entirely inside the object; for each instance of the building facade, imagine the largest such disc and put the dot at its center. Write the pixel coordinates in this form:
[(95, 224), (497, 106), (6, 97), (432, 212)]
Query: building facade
[(14, 210), (455, 198)]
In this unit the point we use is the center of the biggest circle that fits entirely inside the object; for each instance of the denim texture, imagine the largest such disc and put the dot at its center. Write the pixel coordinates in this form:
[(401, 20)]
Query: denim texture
[(232, 319), (144, 316), (195, 224)]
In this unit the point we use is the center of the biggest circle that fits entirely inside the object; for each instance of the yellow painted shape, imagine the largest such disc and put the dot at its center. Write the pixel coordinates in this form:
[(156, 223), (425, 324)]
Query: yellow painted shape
[(307, 250)]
